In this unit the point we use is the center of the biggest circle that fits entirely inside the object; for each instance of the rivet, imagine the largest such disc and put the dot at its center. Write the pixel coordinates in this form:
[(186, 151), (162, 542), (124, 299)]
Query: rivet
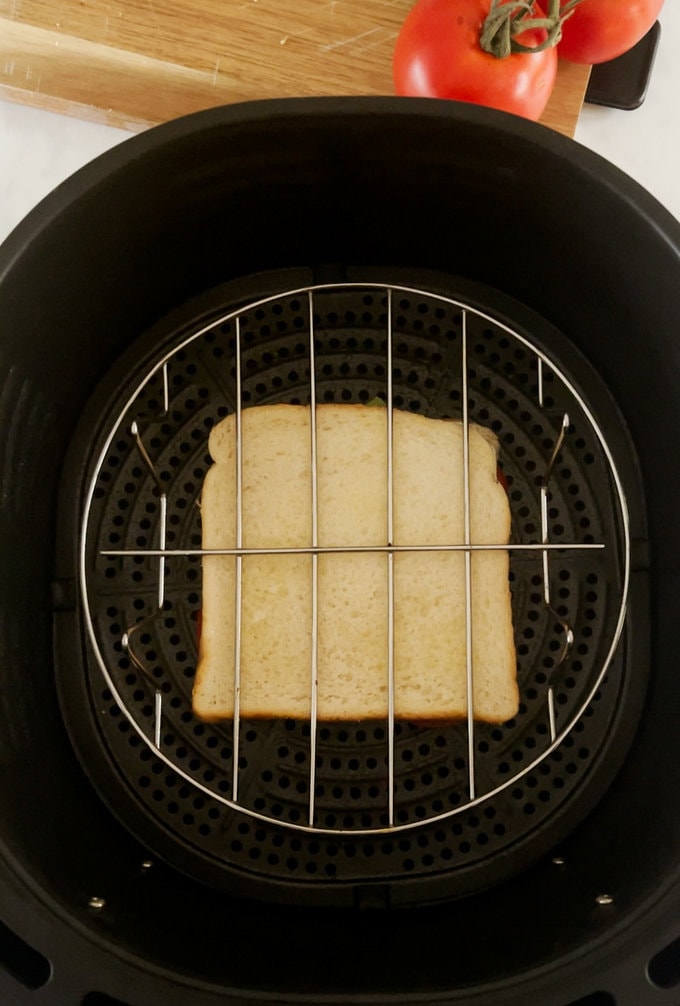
[(97, 903), (147, 864), (604, 899), (558, 861)]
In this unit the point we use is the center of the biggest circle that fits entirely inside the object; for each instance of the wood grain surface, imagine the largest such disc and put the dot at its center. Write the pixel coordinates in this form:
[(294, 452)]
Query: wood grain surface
[(135, 63)]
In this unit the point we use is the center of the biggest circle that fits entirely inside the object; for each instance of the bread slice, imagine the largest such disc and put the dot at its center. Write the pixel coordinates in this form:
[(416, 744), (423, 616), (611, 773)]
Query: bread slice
[(429, 587)]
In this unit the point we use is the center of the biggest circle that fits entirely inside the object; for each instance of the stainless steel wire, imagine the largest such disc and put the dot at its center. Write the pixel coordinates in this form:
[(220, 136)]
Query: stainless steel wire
[(238, 606), (390, 566), (467, 538), (567, 630), (138, 627), (314, 683)]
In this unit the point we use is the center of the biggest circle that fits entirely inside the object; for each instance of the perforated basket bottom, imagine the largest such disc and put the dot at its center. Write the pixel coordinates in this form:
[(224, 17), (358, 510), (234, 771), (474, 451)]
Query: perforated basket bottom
[(439, 838)]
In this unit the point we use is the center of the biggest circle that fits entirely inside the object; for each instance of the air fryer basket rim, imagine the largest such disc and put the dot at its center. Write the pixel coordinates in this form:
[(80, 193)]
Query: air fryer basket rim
[(41, 405), (136, 147)]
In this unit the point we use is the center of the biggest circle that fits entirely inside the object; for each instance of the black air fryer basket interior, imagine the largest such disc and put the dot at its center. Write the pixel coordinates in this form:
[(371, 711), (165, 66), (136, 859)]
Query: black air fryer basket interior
[(455, 262)]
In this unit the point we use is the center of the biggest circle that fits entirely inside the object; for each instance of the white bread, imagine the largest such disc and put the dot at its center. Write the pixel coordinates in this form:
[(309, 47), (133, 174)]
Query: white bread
[(429, 587)]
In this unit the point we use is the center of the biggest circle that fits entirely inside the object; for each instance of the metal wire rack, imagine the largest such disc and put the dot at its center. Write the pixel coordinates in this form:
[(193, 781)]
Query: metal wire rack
[(542, 546)]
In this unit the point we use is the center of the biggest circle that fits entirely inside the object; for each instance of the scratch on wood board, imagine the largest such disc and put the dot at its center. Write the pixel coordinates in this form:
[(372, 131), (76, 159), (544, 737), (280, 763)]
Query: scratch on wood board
[(347, 41)]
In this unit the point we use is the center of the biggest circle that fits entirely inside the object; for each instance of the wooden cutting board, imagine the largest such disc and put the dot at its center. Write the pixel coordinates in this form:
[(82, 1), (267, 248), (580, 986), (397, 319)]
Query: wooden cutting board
[(134, 63)]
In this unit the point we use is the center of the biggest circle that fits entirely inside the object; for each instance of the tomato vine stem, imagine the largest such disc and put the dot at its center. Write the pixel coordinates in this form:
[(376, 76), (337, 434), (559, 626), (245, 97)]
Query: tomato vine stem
[(509, 18)]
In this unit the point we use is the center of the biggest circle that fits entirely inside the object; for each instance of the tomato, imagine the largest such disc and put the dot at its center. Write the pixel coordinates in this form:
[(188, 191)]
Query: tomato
[(600, 30), (438, 55)]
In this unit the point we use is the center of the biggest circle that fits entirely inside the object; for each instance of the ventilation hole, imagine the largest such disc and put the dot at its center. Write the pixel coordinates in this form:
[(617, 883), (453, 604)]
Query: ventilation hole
[(664, 967), (22, 961)]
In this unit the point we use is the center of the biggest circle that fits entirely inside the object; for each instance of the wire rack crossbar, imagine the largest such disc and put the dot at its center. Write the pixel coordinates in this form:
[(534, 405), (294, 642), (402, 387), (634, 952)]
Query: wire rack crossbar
[(238, 607), (586, 546), (389, 503)]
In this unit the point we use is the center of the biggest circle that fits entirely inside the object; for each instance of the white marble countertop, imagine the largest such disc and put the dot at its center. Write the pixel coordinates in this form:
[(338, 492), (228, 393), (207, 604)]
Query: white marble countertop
[(39, 149)]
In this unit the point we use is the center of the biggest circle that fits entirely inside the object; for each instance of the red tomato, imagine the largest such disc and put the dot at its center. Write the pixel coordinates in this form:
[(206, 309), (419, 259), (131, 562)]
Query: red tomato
[(438, 55), (600, 30)]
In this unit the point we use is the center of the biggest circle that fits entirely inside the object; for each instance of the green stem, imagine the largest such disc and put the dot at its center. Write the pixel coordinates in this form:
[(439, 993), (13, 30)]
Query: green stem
[(509, 18)]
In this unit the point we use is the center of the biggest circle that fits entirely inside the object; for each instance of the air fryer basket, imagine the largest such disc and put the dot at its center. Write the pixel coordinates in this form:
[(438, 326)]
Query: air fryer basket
[(324, 809), (454, 262)]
